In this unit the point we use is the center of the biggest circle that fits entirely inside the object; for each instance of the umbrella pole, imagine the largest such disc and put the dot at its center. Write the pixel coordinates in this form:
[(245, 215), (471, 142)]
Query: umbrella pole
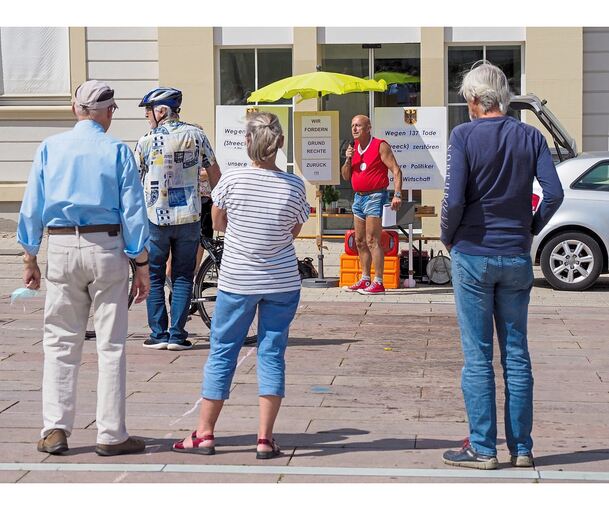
[(320, 245), (321, 281)]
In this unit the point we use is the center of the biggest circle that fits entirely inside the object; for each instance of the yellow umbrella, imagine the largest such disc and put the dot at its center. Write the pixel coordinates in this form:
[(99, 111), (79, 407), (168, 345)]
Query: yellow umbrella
[(396, 77), (314, 85), (310, 86)]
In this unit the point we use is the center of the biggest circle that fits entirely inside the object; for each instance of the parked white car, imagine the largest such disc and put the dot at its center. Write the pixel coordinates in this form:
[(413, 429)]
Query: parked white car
[(572, 248)]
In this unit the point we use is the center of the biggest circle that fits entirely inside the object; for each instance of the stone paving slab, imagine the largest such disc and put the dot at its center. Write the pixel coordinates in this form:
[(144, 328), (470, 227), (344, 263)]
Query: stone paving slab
[(96, 477), (371, 382), (11, 476)]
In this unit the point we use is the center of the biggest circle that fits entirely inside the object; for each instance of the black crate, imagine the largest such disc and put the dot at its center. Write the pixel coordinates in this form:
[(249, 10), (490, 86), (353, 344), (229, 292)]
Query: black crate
[(419, 264)]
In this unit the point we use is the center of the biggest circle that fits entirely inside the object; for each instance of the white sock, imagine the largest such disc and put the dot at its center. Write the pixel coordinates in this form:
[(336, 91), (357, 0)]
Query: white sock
[(378, 280), (366, 277)]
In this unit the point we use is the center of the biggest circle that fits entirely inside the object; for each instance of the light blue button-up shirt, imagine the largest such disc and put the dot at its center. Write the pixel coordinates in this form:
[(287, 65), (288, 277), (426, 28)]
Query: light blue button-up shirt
[(84, 177)]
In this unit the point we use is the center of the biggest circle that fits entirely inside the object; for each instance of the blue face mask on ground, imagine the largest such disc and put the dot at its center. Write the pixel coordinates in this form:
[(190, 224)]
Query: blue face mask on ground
[(23, 293)]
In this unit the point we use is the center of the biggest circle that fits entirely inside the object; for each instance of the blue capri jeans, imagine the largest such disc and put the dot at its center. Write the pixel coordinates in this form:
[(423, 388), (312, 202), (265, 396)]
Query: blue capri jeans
[(231, 320)]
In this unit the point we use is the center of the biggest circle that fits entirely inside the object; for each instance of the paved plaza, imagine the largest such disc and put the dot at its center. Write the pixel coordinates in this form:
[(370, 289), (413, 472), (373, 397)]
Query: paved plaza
[(373, 394)]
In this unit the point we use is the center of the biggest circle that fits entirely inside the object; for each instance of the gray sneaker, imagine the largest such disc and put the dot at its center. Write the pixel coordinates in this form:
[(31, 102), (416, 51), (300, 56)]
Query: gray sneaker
[(522, 460), (468, 457)]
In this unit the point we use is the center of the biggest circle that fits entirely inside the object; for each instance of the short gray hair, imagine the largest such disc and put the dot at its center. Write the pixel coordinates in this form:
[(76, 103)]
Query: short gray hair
[(169, 111), (264, 131), (487, 83)]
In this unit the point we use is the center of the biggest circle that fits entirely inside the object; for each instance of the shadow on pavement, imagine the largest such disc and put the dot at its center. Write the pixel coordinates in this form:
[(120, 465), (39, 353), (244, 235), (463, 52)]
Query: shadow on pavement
[(312, 342), (322, 441), (601, 285), (572, 457)]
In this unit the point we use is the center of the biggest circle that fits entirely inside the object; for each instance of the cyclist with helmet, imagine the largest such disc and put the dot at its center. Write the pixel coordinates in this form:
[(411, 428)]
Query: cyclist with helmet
[(172, 157)]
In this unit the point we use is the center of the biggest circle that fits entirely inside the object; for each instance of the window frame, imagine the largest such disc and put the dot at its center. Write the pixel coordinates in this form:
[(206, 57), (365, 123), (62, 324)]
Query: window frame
[(484, 46), (573, 185), (43, 100), (218, 83)]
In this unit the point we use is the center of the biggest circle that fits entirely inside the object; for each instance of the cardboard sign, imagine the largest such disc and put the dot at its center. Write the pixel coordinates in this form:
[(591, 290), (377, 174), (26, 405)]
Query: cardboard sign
[(316, 146), (417, 136)]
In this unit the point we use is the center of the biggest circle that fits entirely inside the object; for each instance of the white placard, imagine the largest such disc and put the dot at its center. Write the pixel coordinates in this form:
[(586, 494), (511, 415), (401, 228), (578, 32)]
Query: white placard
[(316, 126), (230, 135), (417, 136), (316, 141), (317, 170)]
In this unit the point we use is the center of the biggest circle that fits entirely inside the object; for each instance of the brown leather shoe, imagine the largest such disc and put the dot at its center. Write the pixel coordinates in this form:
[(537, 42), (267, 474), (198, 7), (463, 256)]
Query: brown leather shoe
[(55, 443), (131, 445)]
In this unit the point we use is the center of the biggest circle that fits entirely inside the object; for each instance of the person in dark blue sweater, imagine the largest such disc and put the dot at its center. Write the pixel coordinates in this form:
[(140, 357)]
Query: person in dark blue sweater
[(487, 225)]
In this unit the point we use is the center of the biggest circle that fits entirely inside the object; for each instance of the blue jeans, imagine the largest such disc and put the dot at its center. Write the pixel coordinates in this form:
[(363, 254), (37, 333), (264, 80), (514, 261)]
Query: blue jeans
[(498, 288), (232, 318), (183, 241), (369, 205)]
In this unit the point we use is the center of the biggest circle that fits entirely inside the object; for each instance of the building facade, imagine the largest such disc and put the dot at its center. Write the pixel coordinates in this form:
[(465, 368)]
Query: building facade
[(40, 68)]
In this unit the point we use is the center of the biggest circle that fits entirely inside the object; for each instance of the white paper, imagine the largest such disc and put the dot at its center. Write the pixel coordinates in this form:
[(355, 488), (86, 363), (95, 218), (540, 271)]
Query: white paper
[(389, 216)]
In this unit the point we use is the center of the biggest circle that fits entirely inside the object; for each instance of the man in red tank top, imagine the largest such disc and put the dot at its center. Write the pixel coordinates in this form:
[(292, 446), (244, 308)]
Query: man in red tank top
[(367, 164)]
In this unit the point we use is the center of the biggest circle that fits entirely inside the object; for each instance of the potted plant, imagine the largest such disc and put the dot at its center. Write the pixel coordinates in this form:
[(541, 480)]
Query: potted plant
[(329, 196)]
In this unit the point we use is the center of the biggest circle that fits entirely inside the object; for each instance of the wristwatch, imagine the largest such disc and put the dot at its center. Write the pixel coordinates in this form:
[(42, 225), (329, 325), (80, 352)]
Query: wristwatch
[(398, 194)]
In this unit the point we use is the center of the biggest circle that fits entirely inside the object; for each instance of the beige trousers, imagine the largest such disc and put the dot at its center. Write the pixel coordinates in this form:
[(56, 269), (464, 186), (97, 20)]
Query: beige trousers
[(84, 270)]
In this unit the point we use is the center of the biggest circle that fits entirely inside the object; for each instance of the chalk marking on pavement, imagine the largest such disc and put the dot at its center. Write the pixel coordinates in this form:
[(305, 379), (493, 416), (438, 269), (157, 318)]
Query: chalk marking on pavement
[(154, 449), (252, 349), (315, 471), (194, 408), (20, 329), (120, 477)]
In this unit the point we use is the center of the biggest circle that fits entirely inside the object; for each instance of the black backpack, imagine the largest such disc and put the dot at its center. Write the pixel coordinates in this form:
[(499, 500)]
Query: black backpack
[(306, 268)]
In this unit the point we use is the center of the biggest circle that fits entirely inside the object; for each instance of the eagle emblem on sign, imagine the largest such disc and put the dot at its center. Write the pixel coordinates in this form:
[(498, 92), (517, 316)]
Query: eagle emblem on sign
[(410, 116)]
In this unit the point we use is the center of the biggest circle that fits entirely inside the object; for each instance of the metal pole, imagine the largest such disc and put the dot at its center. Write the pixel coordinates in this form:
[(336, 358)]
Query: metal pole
[(411, 282), (320, 242)]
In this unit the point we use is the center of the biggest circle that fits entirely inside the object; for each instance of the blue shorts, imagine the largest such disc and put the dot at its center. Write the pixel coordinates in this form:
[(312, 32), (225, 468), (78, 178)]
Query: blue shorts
[(370, 205)]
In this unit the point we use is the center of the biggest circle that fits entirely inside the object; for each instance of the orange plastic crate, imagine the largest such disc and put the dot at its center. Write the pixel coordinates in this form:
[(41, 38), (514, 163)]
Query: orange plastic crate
[(351, 272)]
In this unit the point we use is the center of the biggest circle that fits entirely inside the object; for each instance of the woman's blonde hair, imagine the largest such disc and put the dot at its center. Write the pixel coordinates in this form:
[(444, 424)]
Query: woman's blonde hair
[(264, 133)]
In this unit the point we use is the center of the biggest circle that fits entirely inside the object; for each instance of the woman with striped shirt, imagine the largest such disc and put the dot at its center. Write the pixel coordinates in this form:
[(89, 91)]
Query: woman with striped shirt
[(261, 209)]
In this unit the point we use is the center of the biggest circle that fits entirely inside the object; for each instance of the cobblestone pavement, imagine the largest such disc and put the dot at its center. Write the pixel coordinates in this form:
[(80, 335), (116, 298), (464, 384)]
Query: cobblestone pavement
[(373, 394)]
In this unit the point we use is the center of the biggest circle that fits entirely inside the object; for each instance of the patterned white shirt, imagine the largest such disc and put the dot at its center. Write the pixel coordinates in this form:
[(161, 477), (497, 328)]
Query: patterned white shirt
[(170, 157)]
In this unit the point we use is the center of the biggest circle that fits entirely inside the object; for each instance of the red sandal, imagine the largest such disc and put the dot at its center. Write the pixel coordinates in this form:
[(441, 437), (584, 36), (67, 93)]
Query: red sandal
[(196, 441), (268, 455)]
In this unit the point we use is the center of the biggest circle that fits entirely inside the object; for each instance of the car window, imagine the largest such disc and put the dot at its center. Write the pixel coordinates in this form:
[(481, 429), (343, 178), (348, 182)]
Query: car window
[(597, 178)]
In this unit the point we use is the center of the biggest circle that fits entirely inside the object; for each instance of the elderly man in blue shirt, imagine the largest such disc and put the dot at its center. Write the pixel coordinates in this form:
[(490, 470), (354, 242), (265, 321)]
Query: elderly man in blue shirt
[(84, 187), (487, 225)]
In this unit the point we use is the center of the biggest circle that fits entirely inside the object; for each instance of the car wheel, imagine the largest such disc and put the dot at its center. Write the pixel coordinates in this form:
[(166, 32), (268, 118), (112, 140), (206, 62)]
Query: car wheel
[(571, 261)]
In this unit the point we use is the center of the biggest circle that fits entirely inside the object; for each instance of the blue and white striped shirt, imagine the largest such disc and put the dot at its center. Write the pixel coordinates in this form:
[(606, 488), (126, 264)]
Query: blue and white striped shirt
[(262, 208)]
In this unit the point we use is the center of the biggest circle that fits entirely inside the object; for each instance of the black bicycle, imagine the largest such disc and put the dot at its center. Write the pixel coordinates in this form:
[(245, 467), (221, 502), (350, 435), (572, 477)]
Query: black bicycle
[(90, 333), (205, 287)]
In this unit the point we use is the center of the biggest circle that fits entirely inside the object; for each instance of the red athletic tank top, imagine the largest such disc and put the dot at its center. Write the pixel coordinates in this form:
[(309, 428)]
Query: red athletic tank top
[(368, 172)]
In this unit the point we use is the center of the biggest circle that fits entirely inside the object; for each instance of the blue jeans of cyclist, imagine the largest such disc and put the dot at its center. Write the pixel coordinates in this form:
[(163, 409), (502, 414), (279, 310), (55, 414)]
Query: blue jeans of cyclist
[(183, 242), (495, 288), (230, 323)]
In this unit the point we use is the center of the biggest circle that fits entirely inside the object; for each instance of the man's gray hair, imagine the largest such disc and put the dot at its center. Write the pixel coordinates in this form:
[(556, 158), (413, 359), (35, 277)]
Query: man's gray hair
[(169, 112), (264, 131), (487, 83)]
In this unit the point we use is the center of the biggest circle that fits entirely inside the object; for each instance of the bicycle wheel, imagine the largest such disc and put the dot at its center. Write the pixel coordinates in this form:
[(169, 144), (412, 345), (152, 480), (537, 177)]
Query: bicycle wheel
[(205, 292), (90, 331)]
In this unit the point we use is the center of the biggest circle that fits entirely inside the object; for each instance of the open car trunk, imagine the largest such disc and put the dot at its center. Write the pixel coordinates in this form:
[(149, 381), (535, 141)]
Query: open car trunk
[(565, 145)]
